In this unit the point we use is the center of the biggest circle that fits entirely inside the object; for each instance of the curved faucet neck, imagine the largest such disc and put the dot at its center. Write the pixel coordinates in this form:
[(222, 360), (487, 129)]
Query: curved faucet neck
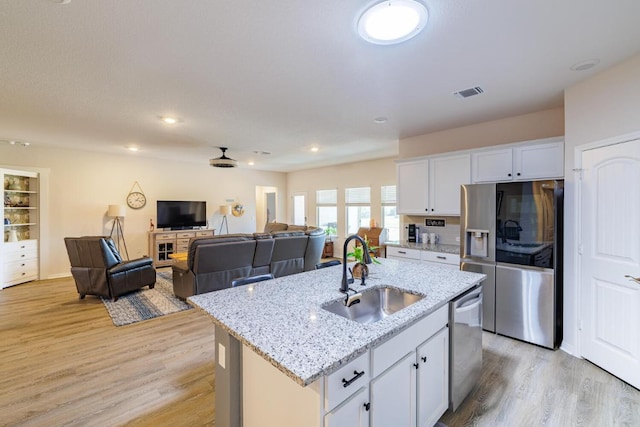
[(344, 287)]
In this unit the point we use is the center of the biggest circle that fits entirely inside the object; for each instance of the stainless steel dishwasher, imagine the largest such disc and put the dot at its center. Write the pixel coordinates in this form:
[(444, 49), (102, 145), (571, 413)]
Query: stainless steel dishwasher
[(465, 352)]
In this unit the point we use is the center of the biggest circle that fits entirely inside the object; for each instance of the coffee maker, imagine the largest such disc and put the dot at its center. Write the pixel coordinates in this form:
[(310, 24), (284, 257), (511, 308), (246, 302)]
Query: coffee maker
[(412, 233)]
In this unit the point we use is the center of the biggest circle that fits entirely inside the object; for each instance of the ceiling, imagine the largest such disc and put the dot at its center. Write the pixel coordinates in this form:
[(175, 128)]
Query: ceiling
[(285, 76)]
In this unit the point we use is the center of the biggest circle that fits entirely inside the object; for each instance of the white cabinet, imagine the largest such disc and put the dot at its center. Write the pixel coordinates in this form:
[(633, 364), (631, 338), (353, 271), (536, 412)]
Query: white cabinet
[(525, 162), (353, 413), (393, 395), (441, 259), (447, 174), (19, 248), (431, 186), (432, 385), (403, 253), (412, 187), (415, 389)]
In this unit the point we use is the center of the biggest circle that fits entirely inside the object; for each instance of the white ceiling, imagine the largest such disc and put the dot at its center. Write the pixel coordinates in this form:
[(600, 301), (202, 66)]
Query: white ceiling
[(283, 76)]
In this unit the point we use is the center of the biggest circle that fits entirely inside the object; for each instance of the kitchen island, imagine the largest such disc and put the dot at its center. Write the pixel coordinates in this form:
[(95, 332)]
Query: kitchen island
[(278, 350)]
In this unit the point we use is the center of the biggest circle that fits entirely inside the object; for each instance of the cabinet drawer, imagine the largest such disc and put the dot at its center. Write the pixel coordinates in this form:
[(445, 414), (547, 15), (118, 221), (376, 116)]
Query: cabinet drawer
[(346, 381), (205, 233), (166, 236), (186, 234), (389, 352), (24, 254), (396, 252), (444, 258), (21, 246), (20, 270), (183, 242)]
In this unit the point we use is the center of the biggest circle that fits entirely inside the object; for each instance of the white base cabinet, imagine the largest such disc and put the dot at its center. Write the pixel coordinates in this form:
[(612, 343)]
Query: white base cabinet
[(400, 382)]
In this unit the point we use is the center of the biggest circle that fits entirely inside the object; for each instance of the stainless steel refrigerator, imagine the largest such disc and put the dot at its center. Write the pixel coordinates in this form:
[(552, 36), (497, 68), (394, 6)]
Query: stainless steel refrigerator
[(512, 232)]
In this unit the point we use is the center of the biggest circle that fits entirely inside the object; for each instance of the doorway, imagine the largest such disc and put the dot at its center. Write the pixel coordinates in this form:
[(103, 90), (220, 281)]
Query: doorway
[(266, 206)]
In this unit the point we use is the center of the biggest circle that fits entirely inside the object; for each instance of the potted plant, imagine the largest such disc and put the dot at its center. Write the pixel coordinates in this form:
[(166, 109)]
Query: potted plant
[(360, 268)]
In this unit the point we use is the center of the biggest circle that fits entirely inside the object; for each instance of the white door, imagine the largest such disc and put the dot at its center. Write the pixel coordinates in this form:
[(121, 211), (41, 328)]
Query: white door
[(353, 413), (432, 385), (299, 209), (448, 173), (610, 311), (393, 395)]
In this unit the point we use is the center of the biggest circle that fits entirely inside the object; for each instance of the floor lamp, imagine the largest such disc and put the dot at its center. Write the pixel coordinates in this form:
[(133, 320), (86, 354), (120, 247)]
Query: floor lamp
[(224, 211), (117, 212)]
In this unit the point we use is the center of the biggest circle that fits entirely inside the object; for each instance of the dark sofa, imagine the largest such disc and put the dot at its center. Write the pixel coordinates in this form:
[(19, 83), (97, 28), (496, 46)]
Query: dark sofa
[(214, 262)]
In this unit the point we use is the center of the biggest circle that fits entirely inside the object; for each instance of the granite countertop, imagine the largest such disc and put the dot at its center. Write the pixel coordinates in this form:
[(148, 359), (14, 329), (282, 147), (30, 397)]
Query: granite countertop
[(282, 319), (438, 247)]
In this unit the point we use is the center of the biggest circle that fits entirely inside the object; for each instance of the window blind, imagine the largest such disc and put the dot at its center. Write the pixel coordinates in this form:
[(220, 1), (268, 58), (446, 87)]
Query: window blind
[(361, 195)]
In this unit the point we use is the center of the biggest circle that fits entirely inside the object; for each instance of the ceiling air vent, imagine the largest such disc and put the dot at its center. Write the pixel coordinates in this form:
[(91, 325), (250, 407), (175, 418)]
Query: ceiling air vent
[(466, 93)]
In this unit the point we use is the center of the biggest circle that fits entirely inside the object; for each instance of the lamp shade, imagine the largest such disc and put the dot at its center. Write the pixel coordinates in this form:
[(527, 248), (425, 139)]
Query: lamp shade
[(116, 211), (224, 210)]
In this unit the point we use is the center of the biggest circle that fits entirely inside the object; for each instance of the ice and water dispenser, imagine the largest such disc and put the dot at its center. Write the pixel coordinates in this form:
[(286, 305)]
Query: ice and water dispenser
[(477, 243)]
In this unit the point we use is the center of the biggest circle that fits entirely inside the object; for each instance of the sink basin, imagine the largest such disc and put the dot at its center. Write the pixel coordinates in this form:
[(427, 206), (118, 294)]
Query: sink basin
[(375, 304)]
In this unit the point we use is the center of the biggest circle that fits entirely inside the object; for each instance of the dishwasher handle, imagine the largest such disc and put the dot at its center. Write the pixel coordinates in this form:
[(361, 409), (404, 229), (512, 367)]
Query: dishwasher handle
[(469, 304)]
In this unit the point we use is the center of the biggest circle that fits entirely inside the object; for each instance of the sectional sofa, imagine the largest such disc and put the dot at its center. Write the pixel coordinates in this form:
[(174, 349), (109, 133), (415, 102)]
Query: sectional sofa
[(214, 262)]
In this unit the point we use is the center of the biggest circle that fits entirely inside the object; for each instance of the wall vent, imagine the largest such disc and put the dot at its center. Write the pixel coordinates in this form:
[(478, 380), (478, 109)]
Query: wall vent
[(466, 93)]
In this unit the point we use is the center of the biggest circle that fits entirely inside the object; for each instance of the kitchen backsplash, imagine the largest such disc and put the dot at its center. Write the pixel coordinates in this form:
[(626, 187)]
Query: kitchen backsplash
[(447, 234)]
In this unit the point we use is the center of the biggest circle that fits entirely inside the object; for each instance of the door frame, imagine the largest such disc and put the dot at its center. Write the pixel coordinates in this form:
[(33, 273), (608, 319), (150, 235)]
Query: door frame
[(577, 226)]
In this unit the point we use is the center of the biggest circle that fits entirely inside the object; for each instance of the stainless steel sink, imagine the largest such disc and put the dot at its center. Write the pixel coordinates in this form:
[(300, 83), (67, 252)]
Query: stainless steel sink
[(375, 304)]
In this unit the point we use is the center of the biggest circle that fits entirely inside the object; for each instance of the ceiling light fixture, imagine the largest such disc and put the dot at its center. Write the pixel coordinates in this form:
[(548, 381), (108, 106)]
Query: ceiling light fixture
[(169, 120), (380, 120), (223, 161), (251, 163), (585, 65), (392, 21), (133, 148), (314, 149)]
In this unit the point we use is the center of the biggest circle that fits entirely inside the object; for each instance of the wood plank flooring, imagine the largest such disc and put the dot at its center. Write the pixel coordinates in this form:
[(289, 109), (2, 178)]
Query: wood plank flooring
[(527, 385), (63, 363)]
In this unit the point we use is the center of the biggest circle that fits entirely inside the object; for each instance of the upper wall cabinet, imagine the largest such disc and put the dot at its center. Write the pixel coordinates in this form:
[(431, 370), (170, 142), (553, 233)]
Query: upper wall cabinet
[(432, 186), (520, 163), (447, 174), (412, 187)]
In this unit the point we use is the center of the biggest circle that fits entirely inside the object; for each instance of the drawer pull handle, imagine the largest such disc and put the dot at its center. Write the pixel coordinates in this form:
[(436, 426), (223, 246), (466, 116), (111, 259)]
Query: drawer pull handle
[(424, 359), (441, 257), (402, 252), (23, 273), (356, 375), (367, 406), (416, 365), (22, 256)]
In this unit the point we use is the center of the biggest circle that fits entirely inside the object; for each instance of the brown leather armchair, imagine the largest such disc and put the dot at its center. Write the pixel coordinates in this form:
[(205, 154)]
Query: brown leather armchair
[(98, 268)]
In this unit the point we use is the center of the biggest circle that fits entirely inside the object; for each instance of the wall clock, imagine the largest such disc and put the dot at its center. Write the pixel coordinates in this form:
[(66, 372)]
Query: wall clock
[(237, 209), (136, 199)]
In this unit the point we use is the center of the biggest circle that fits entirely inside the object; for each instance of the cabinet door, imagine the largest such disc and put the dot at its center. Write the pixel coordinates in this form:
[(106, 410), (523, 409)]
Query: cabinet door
[(353, 413), (447, 174), (492, 166), (412, 186), (393, 395), (432, 384), (539, 161)]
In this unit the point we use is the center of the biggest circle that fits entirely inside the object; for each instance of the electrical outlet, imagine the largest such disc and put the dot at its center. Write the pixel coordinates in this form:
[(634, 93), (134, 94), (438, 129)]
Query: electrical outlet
[(458, 239)]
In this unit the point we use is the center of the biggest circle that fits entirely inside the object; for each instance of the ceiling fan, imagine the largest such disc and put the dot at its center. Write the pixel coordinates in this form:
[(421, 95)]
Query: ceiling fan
[(223, 161)]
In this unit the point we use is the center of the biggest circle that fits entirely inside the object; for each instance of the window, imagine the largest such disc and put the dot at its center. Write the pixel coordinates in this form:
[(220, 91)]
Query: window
[(327, 210), (299, 211), (390, 217), (358, 202)]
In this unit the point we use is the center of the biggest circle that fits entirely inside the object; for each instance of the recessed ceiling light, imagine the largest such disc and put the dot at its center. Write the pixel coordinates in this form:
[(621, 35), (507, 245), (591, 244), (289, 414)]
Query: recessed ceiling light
[(61, 1), (133, 148), (314, 149), (251, 163), (585, 65), (392, 21), (169, 120), (380, 120)]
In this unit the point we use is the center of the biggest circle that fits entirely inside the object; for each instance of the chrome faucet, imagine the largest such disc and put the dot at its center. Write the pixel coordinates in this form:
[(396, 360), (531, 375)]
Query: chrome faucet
[(344, 287)]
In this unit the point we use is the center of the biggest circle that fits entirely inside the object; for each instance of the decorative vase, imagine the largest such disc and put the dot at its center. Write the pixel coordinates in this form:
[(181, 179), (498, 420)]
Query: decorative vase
[(359, 270), (13, 235)]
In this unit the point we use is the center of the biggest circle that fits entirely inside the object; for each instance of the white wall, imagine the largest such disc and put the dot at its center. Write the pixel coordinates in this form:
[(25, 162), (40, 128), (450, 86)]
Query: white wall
[(82, 184), (604, 106)]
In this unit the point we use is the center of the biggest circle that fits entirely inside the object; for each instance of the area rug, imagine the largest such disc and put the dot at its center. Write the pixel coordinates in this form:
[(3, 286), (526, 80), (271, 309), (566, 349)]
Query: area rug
[(146, 303)]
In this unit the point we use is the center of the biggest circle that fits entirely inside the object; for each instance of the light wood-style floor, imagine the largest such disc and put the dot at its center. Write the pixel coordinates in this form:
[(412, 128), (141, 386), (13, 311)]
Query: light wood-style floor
[(63, 363)]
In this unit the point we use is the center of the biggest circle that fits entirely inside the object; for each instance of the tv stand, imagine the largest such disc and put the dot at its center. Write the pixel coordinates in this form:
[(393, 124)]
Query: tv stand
[(164, 243)]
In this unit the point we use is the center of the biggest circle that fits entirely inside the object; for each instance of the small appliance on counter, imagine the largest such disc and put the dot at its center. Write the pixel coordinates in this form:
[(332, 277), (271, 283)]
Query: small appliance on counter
[(412, 235)]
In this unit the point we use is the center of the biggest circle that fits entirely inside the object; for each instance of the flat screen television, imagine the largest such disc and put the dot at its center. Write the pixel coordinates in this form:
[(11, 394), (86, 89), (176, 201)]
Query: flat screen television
[(181, 215)]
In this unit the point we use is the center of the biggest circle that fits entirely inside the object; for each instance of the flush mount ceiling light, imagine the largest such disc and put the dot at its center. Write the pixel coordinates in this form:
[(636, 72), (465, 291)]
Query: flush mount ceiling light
[(223, 161), (392, 21), (169, 120)]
